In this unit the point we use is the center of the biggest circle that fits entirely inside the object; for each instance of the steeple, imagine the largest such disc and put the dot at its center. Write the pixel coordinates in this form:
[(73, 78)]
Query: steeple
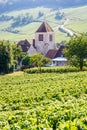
[(44, 27), (44, 38)]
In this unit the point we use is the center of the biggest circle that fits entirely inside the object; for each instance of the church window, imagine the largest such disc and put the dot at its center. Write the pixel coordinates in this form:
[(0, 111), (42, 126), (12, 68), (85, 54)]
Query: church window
[(40, 37), (50, 38)]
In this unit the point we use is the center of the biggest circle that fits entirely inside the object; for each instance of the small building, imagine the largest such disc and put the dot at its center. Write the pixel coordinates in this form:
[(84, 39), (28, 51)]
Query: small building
[(56, 56), (59, 61)]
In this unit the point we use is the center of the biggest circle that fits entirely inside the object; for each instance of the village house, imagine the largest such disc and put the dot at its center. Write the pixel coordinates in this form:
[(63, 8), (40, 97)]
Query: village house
[(44, 43), (57, 57)]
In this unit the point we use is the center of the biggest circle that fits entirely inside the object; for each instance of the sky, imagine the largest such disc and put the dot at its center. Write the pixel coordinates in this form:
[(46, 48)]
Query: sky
[(45, 2), (4, 1)]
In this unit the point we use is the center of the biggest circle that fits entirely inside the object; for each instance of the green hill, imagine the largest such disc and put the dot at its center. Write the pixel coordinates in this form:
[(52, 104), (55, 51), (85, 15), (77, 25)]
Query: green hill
[(78, 18), (22, 24)]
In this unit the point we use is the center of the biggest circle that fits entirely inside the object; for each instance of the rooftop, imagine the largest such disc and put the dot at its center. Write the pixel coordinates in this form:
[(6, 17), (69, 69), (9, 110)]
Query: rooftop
[(25, 45), (60, 59), (51, 53), (45, 27)]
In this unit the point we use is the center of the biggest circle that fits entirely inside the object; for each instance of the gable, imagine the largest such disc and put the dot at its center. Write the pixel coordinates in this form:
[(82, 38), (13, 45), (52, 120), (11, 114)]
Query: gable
[(25, 45), (32, 50)]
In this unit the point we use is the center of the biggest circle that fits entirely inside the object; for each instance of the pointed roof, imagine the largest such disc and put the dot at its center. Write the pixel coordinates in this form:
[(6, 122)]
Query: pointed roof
[(45, 27), (25, 45)]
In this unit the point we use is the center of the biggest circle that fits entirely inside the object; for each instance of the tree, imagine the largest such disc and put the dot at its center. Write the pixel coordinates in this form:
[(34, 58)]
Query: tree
[(59, 15), (17, 53), (40, 14), (76, 50), (9, 56), (26, 61), (39, 60), (5, 57)]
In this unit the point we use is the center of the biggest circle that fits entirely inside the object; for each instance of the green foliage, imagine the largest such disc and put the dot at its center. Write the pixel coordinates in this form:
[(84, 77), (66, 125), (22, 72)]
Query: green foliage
[(40, 14), (39, 101), (26, 61), (6, 57), (6, 18), (9, 56), (64, 69), (59, 15), (17, 52), (22, 20), (53, 121), (39, 60), (76, 50)]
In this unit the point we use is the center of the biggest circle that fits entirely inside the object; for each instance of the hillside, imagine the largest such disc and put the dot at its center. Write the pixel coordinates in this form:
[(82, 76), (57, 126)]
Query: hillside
[(77, 19), (39, 101), (9, 5), (22, 24)]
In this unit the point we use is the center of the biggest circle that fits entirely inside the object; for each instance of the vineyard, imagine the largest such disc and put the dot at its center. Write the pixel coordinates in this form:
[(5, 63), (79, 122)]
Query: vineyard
[(47, 101)]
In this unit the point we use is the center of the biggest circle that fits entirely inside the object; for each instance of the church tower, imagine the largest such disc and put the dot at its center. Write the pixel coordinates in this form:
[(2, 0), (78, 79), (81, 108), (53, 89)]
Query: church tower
[(44, 38)]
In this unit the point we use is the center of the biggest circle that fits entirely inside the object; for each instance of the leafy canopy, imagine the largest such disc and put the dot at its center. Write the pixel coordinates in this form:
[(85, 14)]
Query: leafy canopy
[(76, 50), (9, 54), (39, 60)]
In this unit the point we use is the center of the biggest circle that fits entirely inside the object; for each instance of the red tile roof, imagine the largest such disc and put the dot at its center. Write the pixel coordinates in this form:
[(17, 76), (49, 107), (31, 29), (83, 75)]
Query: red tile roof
[(55, 53), (51, 54), (45, 27)]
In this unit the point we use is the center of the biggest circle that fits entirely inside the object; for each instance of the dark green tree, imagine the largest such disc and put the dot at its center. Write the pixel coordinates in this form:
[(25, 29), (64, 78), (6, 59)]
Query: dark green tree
[(76, 51), (5, 57), (17, 53), (10, 56), (26, 61)]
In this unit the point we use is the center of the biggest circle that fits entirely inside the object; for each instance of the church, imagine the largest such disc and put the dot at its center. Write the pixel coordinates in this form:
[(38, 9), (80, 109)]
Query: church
[(44, 40), (44, 43)]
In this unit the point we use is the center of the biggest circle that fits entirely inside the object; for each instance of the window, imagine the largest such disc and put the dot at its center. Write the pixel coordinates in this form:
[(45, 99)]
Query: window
[(40, 37), (50, 38), (53, 62)]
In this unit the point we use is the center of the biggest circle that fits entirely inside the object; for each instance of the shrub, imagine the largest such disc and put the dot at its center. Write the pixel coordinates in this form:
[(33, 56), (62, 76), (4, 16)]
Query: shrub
[(52, 70)]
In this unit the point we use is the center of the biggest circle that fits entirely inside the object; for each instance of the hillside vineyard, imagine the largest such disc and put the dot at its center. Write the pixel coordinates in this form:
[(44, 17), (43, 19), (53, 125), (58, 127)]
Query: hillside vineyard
[(52, 101)]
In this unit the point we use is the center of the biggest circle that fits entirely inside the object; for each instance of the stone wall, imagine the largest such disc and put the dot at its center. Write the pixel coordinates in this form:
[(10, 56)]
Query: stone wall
[(46, 44)]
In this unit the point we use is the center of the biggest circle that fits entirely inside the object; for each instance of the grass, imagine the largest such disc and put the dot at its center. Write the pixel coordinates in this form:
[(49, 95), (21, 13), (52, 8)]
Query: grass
[(77, 18), (78, 26), (19, 73)]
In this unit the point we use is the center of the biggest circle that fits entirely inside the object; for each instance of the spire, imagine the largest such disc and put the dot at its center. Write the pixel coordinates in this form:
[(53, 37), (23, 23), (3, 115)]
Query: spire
[(45, 27)]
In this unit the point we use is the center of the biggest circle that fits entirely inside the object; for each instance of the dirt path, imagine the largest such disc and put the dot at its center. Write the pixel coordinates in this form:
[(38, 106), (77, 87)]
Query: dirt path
[(63, 28)]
